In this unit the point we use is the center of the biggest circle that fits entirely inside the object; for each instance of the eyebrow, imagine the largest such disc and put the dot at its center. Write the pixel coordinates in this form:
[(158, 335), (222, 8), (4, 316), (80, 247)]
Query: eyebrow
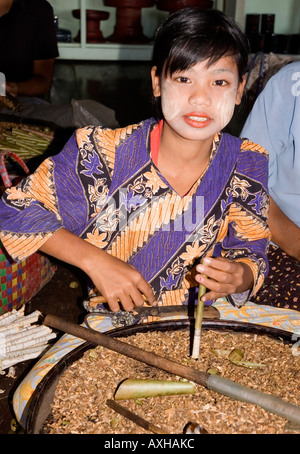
[(222, 70), (213, 71)]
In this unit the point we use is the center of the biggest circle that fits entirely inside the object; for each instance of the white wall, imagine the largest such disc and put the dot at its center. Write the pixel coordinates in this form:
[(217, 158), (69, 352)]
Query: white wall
[(287, 12)]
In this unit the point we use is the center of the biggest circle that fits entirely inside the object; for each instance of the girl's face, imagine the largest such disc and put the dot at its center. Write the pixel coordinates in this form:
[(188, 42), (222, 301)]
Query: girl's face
[(199, 101)]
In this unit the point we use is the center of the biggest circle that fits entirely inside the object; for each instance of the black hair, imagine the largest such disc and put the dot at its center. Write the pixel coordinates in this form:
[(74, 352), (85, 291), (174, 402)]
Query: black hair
[(191, 35)]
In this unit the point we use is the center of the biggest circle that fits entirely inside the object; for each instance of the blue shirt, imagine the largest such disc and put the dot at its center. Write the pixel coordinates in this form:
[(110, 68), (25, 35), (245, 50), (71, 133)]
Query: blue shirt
[(274, 123)]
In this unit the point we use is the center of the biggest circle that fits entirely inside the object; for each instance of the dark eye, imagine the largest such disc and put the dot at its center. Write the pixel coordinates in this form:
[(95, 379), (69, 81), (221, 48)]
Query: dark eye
[(183, 80), (220, 83)]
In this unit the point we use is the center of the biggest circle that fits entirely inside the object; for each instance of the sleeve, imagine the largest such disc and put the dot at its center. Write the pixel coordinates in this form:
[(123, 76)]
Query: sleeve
[(45, 42), (49, 199), (268, 124), (248, 235)]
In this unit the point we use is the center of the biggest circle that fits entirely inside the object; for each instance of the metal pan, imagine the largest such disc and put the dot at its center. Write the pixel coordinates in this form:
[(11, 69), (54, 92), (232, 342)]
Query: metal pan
[(42, 398)]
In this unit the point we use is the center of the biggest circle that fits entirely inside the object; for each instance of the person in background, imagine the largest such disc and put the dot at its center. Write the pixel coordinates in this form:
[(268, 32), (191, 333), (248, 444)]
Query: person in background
[(28, 47), (138, 208), (274, 123)]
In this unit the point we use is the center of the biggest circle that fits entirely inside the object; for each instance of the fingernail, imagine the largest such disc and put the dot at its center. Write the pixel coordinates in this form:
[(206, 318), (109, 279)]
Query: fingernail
[(200, 268), (206, 261)]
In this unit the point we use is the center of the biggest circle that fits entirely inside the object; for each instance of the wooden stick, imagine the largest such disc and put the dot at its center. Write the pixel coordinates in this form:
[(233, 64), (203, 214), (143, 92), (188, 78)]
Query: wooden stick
[(198, 322), (99, 299), (147, 425), (150, 358)]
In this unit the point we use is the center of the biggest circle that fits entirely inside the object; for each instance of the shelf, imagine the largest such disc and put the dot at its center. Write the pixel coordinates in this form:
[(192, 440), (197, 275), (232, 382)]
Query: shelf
[(114, 52), (131, 52), (105, 51)]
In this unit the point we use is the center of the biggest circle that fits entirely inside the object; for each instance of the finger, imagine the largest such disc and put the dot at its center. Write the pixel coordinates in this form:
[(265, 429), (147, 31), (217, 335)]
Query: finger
[(120, 300), (137, 298), (212, 284), (212, 273), (127, 303), (222, 270), (212, 296), (113, 304), (219, 263), (147, 291), (123, 302), (221, 288)]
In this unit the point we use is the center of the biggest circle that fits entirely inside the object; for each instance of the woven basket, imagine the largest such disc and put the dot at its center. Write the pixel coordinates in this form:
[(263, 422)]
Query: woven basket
[(19, 282)]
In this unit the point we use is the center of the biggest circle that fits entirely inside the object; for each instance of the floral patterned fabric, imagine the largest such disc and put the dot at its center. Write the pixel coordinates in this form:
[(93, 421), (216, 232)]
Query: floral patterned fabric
[(281, 287), (105, 188)]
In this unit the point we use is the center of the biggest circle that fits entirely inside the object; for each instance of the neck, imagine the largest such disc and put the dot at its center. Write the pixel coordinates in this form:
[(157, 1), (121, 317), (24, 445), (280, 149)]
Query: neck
[(184, 153), (182, 162)]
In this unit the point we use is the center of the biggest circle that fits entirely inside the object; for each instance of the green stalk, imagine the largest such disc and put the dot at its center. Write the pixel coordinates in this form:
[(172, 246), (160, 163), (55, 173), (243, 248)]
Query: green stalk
[(198, 322), (19, 144), (38, 133), (7, 147), (30, 137), (135, 388)]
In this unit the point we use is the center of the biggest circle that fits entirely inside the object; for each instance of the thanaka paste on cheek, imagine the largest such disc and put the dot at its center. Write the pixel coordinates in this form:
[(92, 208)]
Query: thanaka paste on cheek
[(169, 102), (225, 107)]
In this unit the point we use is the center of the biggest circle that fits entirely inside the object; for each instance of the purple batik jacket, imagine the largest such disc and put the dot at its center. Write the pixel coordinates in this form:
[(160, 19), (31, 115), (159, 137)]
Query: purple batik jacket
[(105, 188)]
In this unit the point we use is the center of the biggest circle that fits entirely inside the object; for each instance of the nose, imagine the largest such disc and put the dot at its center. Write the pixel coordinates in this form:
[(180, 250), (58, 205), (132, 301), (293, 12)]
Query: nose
[(200, 96)]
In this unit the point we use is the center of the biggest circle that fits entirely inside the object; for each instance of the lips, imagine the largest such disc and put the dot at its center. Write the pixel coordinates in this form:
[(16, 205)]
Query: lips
[(197, 120)]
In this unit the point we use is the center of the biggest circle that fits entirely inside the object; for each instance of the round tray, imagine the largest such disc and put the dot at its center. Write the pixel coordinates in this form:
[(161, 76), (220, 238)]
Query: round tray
[(42, 398)]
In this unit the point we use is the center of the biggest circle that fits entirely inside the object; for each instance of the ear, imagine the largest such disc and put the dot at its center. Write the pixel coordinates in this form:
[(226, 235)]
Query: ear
[(240, 91), (155, 82)]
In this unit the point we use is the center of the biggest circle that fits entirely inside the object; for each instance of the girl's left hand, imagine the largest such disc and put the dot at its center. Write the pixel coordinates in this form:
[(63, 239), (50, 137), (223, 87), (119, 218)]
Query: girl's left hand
[(223, 277)]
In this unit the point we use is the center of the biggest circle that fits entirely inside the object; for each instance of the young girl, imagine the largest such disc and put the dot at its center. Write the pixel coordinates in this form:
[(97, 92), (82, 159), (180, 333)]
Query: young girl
[(138, 208)]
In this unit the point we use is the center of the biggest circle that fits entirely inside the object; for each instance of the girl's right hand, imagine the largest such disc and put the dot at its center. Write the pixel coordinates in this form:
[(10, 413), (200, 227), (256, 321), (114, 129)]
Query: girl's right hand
[(119, 283)]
